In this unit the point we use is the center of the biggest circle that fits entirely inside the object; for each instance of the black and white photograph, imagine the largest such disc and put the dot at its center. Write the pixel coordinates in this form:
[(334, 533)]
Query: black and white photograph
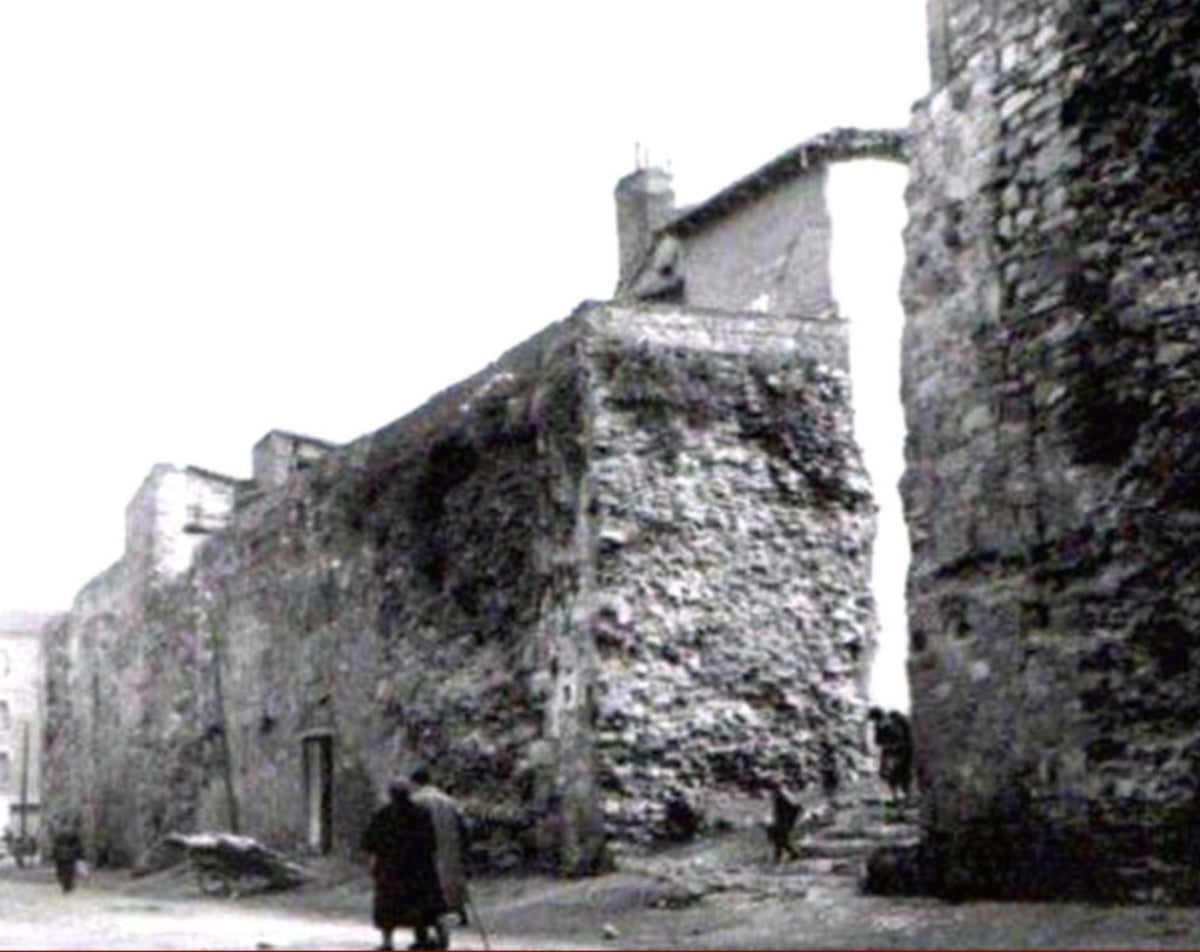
[(643, 475)]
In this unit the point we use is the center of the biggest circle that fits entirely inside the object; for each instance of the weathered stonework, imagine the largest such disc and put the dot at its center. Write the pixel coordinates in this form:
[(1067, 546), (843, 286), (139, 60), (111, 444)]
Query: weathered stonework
[(1052, 398), (631, 555)]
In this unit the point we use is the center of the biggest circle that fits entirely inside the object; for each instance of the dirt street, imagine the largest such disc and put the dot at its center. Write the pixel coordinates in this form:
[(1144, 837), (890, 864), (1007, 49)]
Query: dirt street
[(108, 911), (35, 914), (717, 894)]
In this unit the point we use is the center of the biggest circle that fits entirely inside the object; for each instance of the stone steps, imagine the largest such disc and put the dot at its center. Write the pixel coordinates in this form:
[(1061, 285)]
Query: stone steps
[(840, 846), (874, 831)]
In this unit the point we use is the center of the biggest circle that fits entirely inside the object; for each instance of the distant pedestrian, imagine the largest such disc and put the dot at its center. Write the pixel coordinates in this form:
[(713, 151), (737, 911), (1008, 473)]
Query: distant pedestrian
[(450, 835), (66, 848), (893, 736), (402, 843), (785, 813), (827, 766), (681, 820)]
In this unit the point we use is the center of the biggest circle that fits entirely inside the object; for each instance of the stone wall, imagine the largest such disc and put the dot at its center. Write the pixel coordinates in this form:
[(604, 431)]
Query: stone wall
[(279, 454), (1051, 394), (94, 678), (630, 556), (733, 521)]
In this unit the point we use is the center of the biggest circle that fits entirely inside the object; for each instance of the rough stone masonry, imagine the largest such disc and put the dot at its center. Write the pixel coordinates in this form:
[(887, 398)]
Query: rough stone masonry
[(628, 558), (1052, 391)]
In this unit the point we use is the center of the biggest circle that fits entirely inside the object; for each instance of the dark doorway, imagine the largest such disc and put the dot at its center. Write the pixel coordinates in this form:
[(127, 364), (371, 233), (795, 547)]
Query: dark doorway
[(318, 791)]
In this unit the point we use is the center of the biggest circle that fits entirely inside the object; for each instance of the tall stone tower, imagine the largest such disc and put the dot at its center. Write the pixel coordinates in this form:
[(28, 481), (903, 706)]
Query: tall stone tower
[(1052, 392)]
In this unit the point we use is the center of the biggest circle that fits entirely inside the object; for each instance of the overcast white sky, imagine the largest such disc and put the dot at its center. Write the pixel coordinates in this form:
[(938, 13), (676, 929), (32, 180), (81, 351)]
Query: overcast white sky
[(221, 218)]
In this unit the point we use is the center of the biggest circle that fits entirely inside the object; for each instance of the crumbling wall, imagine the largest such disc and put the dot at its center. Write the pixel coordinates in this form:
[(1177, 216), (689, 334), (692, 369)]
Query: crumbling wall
[(128, 745), (1051, 395), (394, 596), (733, 524), (502, 585), (95, 696), (279, 454)]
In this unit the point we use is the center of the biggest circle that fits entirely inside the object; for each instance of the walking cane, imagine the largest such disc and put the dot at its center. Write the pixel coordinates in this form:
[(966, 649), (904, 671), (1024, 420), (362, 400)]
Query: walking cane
[(478, 922)]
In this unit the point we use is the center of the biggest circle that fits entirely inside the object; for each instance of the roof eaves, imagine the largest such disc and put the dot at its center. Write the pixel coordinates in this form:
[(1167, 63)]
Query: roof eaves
[(298, 438), (834, 146)]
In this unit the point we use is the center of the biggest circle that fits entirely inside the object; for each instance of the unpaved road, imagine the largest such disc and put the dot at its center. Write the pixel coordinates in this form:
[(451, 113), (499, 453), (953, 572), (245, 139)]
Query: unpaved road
[(35, 914), (112, 911)]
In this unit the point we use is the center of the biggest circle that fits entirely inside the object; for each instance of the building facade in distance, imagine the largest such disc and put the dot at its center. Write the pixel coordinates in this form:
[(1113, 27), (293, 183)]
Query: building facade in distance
[(21, 673)]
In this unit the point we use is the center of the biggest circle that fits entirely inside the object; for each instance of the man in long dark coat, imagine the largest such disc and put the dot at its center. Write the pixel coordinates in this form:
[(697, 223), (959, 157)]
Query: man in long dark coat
[(403, 848)]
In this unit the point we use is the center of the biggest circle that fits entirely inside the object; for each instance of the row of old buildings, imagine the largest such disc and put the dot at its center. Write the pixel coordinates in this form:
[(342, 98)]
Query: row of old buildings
[(631, 557)]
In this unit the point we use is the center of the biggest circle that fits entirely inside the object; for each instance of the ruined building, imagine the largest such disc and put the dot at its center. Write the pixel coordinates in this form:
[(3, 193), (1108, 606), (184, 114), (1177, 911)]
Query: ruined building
[(628, 558), (1052, 389), (631, 555)]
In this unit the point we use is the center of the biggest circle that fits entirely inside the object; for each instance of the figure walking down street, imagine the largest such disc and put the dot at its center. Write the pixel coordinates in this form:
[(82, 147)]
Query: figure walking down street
[(401, 841), (450, 835), (66, 848), (893, 736), (785, 812)]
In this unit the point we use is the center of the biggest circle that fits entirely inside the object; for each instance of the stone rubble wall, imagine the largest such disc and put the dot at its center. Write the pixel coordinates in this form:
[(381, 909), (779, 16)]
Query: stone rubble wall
[(1052, 402), (734, 525), (452, 590), (279, 454), (96, 698)]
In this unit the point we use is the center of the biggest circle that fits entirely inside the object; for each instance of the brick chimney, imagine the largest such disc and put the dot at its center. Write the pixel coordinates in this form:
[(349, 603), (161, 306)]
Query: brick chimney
[(645, 202)]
